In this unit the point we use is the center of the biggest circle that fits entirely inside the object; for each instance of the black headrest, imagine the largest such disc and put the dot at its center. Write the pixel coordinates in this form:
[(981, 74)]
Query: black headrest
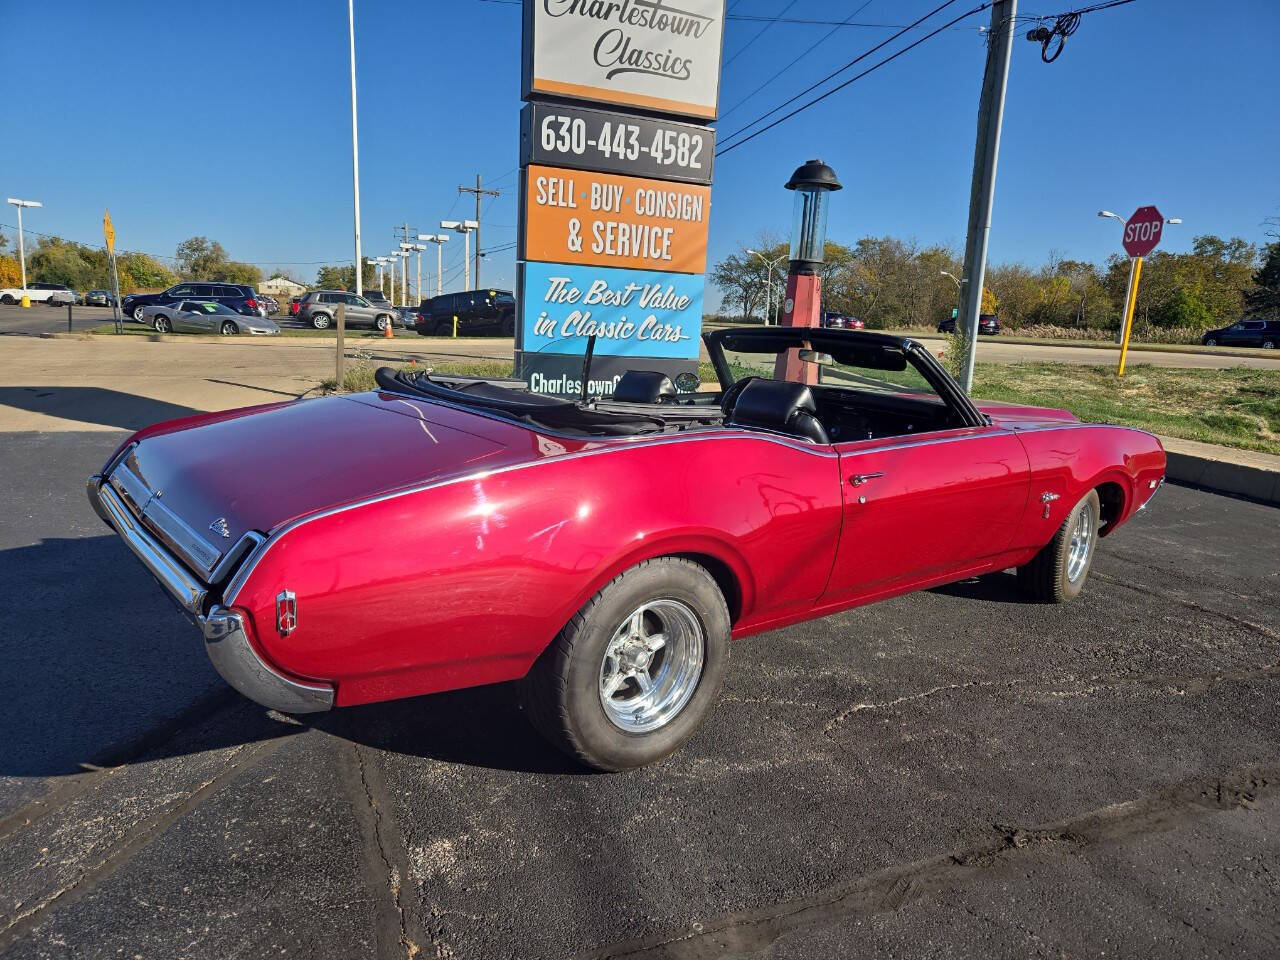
[(779, 405), (643, 386)]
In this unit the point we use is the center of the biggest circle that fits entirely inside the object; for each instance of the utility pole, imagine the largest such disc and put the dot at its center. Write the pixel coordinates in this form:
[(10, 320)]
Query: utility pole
[(479, 192), (404, 299), (982, 193)]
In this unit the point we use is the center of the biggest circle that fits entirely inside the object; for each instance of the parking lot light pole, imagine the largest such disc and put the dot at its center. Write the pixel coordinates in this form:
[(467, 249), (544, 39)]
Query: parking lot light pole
[(355, 146), (417, 249), (466, 228), (772, 264), (22, 250), (439, 239)]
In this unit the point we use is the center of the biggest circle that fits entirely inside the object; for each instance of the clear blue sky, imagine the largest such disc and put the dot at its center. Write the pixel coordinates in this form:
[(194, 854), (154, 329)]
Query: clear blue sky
[(231, 120)]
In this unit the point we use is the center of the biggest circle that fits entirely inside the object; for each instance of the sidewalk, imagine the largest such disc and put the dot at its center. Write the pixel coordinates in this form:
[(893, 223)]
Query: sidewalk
[(108, 384)]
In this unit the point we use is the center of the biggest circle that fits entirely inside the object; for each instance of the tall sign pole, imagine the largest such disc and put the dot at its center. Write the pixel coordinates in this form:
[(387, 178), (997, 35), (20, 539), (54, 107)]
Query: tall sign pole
[(109, 234), (982, 192)]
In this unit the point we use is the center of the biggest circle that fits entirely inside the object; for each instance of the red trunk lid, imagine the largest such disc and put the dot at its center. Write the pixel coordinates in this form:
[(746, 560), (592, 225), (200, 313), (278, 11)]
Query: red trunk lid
[(259, 471)]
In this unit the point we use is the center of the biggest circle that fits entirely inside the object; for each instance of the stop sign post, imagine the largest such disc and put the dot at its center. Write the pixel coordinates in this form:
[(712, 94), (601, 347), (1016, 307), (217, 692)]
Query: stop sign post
[(1142, 233)]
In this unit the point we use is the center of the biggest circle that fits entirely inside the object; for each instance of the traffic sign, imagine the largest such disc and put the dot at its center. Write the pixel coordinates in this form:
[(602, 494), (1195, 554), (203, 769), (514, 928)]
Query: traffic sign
[(1142, 231), (109, 231)]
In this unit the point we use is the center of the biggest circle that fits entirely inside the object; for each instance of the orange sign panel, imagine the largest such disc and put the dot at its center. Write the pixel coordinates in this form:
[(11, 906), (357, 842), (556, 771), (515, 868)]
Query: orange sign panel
[(602, 219)]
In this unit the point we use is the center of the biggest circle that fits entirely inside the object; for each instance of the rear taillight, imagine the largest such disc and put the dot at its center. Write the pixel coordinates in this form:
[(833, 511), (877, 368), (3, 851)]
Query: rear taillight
[(251, 303)]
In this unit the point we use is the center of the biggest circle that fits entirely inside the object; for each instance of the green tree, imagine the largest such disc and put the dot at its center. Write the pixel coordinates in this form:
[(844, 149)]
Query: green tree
[(199, 258), (344, 278), (1264, 299)]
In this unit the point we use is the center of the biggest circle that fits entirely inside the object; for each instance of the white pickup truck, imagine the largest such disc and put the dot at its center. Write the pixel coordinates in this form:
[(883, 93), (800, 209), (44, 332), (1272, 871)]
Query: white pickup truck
[(54, 294)]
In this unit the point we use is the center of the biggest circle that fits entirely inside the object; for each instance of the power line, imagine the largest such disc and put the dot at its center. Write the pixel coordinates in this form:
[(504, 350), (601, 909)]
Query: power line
[(833, 74), (763, 30), (808, 50), (839, 87)]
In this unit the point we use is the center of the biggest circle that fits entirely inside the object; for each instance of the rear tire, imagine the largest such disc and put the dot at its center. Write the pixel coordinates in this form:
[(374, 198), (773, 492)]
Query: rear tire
[(1210, 341), (162, 324), (1057, 573), (1268, 344), (7, 300), (585, 693), (320, 321), (229, 328), (382, 323)]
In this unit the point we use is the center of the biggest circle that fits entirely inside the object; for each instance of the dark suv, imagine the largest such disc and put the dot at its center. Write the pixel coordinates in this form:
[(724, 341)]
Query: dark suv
[(480, 313), (1245, 333), (239, 297)]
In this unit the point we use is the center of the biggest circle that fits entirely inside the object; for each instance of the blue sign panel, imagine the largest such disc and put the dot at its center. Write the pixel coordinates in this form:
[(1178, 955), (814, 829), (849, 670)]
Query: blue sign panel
[(633, 313)]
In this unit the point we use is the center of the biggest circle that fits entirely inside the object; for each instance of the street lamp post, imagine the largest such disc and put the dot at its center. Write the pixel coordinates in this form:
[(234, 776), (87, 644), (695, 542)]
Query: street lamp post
[(813, 183), (959, 290), (439, 239), (22, 250), (1135, 268), (466, 228), (772, 264)]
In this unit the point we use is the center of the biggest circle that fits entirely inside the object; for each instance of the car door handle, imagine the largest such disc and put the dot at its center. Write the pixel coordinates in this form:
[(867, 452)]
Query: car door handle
[(858, 479)]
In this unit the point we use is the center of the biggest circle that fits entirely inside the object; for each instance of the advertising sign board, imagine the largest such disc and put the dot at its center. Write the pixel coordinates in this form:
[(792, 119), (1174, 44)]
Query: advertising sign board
[(631, 313), (599, 218), (560, 374), (657, 55), (569, 136)]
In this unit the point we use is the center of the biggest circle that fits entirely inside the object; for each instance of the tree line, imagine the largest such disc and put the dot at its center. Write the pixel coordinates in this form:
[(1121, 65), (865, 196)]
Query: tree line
[(893, 283), (82, 267)]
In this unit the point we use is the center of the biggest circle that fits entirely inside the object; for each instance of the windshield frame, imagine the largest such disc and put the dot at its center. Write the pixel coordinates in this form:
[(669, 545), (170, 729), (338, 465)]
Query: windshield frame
[(837, 341)]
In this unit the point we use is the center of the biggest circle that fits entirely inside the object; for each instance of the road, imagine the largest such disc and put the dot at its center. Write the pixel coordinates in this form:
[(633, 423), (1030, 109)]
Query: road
[(41, 319), (951, 774)]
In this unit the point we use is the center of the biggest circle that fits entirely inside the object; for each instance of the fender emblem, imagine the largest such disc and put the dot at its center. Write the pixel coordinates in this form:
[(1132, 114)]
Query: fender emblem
[(219, 527), (286, 612), (1047, 498)]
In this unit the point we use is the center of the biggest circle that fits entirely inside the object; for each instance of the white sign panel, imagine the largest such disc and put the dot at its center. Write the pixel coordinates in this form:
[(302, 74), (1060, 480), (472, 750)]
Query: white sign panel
[(657, 55)]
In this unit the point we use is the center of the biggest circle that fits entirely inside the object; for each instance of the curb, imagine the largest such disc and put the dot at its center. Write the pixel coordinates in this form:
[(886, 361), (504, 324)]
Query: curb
[(1257, 483)]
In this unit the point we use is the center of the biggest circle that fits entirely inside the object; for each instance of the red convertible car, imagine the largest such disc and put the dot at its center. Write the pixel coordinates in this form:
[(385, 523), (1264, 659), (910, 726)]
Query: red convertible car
[(442, 532)]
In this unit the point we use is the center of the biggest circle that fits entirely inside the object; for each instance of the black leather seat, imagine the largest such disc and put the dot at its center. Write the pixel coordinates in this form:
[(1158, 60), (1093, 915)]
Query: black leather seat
[(780, 406), (643, 386)]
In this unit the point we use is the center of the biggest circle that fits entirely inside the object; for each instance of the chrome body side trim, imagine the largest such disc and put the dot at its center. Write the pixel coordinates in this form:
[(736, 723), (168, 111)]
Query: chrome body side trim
[(173, 576), (727, 433), (226, 640)]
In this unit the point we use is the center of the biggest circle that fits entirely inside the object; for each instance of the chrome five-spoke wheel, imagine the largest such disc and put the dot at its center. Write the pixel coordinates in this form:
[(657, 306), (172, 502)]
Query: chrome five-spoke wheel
[(651, 666), (1081, 543)]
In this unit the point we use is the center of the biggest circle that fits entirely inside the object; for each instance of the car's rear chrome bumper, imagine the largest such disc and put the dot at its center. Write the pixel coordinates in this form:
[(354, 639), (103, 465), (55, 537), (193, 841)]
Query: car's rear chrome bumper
[(226, 635)]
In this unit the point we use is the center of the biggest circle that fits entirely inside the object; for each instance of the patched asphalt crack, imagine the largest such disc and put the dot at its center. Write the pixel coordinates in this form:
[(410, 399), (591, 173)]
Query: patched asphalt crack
[(892, 888), (386, 862)]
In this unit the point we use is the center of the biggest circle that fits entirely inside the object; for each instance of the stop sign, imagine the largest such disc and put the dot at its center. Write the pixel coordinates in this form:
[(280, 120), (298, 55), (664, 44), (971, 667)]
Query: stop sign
[(1142, 231)]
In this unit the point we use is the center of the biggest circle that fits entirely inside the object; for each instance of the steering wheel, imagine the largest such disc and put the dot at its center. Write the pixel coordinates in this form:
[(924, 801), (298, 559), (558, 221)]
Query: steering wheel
[(730, 397)]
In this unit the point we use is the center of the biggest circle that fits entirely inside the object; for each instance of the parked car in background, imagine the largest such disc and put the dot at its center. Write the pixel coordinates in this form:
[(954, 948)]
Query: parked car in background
[(408, 317), (841, 321), (99, 298), (293, 305), (53, 294), (988, 323), (1245, 333), (319, 308), (378, 299), (204, 316), (442, 532), (241, 298), (480, 313), (270, 303)]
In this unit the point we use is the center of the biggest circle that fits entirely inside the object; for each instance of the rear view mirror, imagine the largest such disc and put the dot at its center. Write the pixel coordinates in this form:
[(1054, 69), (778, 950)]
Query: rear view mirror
[(816, 356)]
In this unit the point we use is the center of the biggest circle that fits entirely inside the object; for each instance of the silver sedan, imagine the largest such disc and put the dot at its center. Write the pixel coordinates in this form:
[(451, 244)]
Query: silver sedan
[(204, 316)]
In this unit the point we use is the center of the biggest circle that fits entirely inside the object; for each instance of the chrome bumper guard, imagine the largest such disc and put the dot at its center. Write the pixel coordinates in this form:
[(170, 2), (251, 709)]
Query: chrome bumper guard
[(226, 639)]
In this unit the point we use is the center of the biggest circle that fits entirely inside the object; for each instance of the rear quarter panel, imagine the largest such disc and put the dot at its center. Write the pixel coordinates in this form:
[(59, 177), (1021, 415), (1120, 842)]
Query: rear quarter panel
[(468, 582)]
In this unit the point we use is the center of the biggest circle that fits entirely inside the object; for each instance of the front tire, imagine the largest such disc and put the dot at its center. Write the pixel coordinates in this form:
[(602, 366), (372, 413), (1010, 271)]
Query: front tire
[(1057, 573), (137, 315), (1210, 341), (633, 673)]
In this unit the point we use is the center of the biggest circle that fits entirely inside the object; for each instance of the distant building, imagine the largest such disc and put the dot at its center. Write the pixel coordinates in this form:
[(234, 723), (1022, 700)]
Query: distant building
[(279, 286)]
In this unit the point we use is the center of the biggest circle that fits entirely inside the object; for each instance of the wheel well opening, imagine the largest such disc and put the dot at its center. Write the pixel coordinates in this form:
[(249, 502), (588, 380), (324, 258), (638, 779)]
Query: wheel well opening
[(1111, 498), (725, 579)]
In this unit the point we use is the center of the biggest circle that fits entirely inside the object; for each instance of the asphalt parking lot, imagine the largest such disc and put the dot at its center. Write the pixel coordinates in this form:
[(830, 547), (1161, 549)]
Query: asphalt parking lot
[(951, 774)]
